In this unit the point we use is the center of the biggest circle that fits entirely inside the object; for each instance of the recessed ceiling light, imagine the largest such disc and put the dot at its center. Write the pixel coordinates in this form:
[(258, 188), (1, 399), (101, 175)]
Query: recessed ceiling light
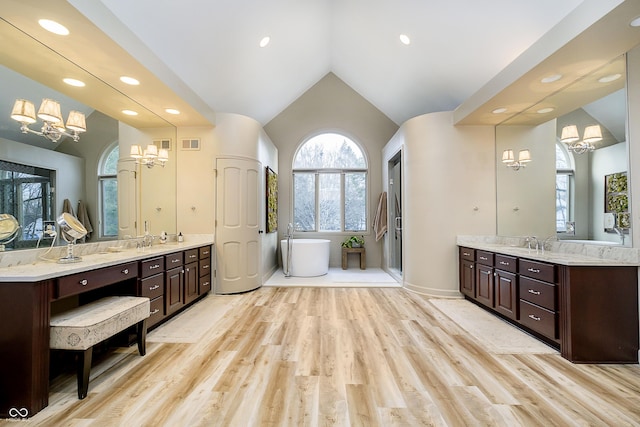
[(610, 78), (499, 110), (172, 111), (405, 39), (53, 27), (265, 41), (129, 80), (635, 22), (130, 112), (545, 110), (73, 82), (552, 78)]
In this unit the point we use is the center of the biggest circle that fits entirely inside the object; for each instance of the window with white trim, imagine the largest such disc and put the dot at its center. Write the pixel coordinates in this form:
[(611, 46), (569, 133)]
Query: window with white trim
[(108, 192), (330, 188)]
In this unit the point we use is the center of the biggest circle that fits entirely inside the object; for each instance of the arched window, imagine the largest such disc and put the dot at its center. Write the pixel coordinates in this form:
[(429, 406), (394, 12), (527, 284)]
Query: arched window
[(108, 192), (330, 185), (564, 190)]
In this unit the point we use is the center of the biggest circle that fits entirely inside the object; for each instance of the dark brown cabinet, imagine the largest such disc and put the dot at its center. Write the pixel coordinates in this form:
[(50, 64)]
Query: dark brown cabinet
[(467, 271), (506, 298), (589, 312), (191, 280), (484, 277), (205, 272), (174, 290)]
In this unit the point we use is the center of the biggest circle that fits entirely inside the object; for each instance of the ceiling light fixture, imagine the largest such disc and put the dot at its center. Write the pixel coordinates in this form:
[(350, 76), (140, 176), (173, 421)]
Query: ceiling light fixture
[(610, 78), (499, 110), (73, 82), (405, 40), (545, 110), (53, 27), (524, 157), (552, 78), (172, 111), (130, 112), (570, 135), (265, 41), (635, 22), (53, 127), (150, 156), (129, 80)]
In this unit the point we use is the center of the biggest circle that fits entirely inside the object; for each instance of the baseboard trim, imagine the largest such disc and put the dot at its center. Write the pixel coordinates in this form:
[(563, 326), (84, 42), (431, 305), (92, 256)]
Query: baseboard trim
[(432, 292)]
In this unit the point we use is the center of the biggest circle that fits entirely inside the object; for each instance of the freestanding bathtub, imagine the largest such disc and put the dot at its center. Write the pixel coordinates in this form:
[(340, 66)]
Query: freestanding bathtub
[(309, 257)]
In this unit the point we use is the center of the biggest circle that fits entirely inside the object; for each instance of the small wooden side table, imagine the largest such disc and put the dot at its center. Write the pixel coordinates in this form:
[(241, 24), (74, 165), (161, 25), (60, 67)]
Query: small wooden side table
[(360, 251)]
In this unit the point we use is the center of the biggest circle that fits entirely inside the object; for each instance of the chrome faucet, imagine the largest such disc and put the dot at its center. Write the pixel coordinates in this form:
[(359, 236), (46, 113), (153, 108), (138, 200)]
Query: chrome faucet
[(530, 240)]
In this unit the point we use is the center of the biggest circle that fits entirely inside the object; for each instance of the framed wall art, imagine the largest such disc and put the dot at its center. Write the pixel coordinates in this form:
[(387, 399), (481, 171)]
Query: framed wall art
[(616, 199), (272, 200)]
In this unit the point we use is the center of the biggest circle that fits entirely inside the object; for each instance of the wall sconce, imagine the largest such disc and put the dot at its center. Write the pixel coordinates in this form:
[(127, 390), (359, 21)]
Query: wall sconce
[(53, 128), (150, 156), (524, 157), (570, 135)]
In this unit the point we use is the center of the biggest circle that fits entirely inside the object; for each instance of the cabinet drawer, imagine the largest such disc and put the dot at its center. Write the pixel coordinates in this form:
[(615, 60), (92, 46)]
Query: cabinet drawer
[(204, 284), (506, 263), (82, 282), (173, 260), (538, 319), (204, 268), (204, 252), (190, 256), (539, 293), (467, 254), (537, 270), (152, 287), (156, 312), (151, 266), (484, 258)]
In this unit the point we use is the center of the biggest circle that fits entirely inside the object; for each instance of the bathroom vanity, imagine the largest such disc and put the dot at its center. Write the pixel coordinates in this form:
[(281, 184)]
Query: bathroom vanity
[(172, 276), (587, 307)]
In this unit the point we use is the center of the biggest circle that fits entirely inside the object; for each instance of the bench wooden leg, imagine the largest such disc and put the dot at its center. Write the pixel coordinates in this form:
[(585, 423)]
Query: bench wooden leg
[(142, 337), (84, 368)]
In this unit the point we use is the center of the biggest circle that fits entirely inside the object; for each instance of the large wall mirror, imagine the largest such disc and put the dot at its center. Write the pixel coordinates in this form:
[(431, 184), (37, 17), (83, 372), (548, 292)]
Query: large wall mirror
[(77, 171), (573, 189)]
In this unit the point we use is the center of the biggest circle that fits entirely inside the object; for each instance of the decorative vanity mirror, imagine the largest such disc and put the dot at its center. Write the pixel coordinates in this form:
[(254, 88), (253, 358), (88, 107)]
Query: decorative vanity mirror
[(572, 187), (64, 169)]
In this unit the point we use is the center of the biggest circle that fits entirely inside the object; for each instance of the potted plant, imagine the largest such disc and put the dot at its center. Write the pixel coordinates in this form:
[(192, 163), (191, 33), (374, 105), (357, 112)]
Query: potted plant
[(353, 242)]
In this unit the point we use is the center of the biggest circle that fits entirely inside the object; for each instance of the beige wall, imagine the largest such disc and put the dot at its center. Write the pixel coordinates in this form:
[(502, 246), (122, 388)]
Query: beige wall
[(448, 189), (633, 126), (331, 106), (233, 136)]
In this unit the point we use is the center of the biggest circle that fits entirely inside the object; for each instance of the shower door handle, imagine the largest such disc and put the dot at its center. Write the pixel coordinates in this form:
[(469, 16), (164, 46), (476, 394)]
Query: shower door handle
[(398, 223)]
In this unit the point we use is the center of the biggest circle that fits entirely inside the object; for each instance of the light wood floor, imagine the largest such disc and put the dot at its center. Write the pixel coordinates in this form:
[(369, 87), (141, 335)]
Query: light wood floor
[(332, 356)]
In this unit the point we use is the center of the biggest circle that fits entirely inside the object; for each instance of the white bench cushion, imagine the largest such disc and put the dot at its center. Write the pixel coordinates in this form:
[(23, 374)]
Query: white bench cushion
[(89, 324)]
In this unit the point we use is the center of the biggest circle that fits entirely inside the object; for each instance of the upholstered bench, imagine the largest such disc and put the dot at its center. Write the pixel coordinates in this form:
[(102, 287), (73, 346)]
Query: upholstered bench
[(83, 327)]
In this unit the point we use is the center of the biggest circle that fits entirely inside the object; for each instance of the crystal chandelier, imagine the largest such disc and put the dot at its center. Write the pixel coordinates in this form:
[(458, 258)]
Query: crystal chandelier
[(570, 137), (53, 127), (150, 156)]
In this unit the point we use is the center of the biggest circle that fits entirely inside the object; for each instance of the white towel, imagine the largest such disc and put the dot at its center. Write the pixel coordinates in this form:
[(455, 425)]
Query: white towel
[(380, 220)]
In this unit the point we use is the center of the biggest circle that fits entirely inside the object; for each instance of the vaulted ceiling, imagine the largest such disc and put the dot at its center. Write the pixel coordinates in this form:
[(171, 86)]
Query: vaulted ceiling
[(212, 47)]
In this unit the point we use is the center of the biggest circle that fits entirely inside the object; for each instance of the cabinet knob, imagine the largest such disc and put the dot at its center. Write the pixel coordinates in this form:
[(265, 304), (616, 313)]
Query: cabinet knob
[(533, 270), (531, 291), (125, 271), (536, 318), (84, 282)]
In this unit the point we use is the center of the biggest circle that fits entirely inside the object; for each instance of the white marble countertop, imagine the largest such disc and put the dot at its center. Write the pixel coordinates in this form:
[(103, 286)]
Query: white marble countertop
[(559, 252), (28, 266)]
